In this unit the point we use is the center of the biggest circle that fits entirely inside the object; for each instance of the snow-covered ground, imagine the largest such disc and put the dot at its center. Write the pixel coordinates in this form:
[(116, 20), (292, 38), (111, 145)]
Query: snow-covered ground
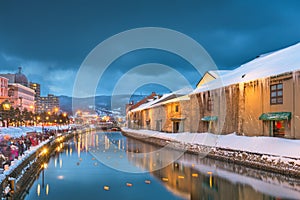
[(16, 132), (271, 146)]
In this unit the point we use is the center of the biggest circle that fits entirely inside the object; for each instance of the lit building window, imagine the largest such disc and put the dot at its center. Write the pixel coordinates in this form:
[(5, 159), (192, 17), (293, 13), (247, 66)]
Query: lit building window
[(276, 95)]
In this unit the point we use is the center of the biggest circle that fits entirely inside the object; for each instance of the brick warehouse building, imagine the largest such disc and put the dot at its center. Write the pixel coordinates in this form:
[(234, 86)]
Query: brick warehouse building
[(258, 98)]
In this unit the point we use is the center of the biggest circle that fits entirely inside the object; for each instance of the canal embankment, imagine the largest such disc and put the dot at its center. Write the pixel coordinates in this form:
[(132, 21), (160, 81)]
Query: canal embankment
[(22, 173), (270, 154)]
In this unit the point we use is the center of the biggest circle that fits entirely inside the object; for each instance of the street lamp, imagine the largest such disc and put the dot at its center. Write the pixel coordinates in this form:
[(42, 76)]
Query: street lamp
[(5, 107)]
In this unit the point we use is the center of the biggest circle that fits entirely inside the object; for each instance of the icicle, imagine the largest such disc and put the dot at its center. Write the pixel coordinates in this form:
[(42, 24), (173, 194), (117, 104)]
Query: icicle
[(202, 98), (241, 87), (295, 77)]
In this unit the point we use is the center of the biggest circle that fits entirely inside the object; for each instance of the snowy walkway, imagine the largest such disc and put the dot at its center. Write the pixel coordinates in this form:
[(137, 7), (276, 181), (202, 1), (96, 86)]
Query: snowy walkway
[(262, 145)]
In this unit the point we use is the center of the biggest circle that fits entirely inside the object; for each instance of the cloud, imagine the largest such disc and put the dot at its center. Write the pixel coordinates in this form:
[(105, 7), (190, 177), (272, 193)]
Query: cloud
[(51, 40), (53, 78)]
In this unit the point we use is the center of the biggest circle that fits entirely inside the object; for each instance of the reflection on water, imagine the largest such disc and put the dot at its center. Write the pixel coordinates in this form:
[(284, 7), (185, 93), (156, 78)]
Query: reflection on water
[(193, 177), (86, 167)]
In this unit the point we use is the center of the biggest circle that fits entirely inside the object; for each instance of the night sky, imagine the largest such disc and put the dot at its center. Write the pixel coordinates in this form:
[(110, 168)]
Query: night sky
[(51, 39)]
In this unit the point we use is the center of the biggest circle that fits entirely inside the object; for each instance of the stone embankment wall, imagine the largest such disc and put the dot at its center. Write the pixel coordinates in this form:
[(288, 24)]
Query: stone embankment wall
[(257, 161)]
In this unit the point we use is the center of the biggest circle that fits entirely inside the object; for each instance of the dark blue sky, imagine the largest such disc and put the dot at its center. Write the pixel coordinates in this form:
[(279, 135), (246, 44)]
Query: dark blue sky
[(50, 39)]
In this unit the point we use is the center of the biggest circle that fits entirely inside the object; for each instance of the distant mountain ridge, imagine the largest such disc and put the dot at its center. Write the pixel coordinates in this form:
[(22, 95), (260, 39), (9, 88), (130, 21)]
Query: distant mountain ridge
[(101, 102)]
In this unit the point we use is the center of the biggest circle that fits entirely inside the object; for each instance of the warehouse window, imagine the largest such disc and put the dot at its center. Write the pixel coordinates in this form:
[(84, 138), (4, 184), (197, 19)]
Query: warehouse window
[(276, 94)]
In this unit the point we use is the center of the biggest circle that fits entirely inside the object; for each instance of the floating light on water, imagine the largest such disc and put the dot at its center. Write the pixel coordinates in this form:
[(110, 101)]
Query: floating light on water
[(106, 188), (128, 184), (147, 181)]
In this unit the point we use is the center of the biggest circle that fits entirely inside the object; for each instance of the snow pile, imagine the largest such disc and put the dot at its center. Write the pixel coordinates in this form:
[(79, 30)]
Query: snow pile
[(262, 145), (12, 132), (16, 132)]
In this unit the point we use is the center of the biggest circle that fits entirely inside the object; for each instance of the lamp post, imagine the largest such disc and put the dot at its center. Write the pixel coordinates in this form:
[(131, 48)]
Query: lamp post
[(5, 106)]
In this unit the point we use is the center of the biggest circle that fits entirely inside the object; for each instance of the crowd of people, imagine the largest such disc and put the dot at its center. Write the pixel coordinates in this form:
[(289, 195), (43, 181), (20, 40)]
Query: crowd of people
[(12, 148)]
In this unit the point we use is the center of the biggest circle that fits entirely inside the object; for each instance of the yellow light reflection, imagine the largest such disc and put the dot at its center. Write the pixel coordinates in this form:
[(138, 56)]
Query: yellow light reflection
[(165, 179), (47, 189), (38, 189), (210, 179), (78, 149), (71, 151), (55, 162), (60, 163)]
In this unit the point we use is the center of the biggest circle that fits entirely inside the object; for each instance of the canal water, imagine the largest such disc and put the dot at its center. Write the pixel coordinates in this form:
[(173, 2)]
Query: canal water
[(110, 166)]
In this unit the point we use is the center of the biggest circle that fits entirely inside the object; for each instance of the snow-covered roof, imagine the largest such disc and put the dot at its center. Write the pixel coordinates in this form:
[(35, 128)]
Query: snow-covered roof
[(270, 64), (210, 76), (178, 99), (149, 103), (165, 97)]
